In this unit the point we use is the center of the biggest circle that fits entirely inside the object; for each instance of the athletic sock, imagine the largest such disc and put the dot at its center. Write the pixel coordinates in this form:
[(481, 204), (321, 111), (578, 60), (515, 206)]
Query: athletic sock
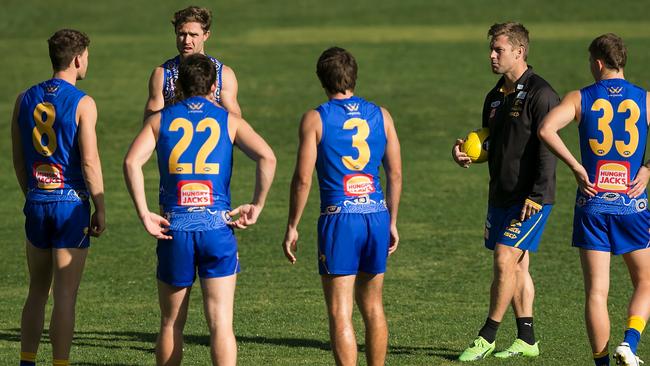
[(635, 326), (489, 330), (525, 330), (602, 358), (60, 362), (27, 359)]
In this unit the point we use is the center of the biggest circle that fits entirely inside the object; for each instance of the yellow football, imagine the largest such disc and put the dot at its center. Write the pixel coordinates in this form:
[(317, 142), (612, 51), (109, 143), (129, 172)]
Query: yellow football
[(476, 145)]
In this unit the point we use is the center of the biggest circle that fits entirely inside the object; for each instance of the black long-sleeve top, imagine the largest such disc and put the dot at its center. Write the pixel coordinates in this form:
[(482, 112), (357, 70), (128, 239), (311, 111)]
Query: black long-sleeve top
[(521, 166)]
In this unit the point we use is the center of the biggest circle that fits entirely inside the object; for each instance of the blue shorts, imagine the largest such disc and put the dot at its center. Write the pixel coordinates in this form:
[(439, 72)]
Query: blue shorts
[(59, 224), (617, 234), (201, 240), (349, 243), (502, 226)]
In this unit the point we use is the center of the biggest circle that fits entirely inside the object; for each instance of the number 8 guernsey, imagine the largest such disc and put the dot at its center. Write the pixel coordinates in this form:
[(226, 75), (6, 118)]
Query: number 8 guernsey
[(613, 133), (47, 122), (349, 155), (194, 156)]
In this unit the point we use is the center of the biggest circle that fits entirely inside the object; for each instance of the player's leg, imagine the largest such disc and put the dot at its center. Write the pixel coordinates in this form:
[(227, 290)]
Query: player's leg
[(639, 307), (39, 264), (522, 301), (502, 290), (68, 268), (338, 290), (368, 292), (595, 270), (173, 314), (218, 302)]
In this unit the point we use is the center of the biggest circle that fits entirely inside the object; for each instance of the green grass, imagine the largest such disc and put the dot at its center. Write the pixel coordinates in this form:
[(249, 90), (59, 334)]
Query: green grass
[(427, 62)]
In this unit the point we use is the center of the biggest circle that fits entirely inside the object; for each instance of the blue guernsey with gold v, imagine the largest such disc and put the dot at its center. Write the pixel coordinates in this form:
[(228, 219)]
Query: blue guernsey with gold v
[(194, 156), (613, 131), (49, 135), (351, 150)]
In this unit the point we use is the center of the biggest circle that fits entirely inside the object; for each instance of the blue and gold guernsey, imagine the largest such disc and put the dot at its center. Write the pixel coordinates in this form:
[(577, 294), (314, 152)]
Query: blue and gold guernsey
[(195, 163), (350, 152), (613, 133), (49, 135), (170, 75)]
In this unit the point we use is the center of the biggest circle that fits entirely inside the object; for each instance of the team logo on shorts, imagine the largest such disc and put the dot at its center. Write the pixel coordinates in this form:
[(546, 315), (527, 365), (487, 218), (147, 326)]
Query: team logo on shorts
[(194, 193), (48, 176), (358, 184), (612, 176)]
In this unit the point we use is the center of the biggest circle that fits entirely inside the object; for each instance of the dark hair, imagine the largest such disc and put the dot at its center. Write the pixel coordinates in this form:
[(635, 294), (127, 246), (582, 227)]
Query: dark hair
[(193, 14), (337, 70), (196, 75), (610, 49), (516, 32), (64, 45)]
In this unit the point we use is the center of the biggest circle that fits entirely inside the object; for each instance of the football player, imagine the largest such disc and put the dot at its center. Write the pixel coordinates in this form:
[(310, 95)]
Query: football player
[(611, 214), (347, 139), (194, 142), (58, 168)]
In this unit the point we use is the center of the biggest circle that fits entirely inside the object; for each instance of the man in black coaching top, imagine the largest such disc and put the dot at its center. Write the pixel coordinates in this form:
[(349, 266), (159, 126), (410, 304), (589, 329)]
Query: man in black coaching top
[(522, 187)]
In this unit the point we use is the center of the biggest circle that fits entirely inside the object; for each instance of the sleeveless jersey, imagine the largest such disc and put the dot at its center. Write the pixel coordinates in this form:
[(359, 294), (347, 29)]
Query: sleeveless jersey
[(48, 131), (613, 132), (194, 156), (170, 75), (350, 152)]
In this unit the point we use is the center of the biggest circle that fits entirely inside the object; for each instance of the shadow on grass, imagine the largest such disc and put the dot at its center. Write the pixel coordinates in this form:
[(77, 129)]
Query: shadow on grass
[(119, 340)]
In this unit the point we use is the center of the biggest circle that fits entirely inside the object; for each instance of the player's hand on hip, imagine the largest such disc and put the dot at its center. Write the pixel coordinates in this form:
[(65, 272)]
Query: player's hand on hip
[(97, 223), (394, 240), (586, 187), (460, 157), (639, 184), (248, 215), (156, 225), (290, 245)]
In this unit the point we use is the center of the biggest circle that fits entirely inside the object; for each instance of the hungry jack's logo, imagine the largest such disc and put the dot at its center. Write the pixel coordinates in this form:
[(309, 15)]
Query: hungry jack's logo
[(358, 184), (612, 176), (48, 176), (194, 193)]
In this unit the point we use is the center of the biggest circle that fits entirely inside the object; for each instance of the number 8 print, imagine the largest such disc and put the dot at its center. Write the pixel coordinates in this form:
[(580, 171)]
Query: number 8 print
[(44, 128)]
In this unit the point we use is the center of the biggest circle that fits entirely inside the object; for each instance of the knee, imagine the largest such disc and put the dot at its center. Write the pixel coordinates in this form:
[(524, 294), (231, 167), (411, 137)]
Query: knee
[(505, 262)]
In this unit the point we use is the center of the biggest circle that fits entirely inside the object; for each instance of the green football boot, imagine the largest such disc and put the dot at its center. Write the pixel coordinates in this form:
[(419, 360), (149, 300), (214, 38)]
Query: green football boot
[(479, 350), (519, 348)]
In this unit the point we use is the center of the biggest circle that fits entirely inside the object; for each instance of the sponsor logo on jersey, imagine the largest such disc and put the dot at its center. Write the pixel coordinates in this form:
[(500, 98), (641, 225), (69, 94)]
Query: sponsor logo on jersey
[(194, 193), (493, 112), (48, 176), (495, 104), (522, 95), (520, 86), (615, 91), (612, 176), (195, 107), (358, 184)]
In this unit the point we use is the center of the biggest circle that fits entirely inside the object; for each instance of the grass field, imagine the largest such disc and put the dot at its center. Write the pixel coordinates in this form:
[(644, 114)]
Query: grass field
[(427, 61)]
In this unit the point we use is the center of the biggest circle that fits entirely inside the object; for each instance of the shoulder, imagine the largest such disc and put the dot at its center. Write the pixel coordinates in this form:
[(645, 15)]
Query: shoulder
[(227, 71), (86, 103)]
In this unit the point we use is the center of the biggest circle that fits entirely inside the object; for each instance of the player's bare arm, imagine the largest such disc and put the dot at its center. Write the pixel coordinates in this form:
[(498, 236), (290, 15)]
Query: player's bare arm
[(229, 91), (138, 154), (254, 146), (558, 118), (156, 101), (393, 166), (17, 147), (640, 182), (309, 134), (90, 163)]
